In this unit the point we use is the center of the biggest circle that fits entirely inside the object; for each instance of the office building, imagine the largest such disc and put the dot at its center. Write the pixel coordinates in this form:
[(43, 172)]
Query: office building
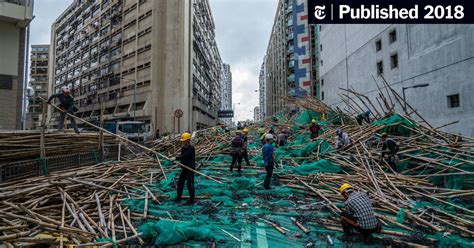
[(256, 114), (139, 60), (226, 91), (291, 61), (38, 84), (15, 17), (438, 57)]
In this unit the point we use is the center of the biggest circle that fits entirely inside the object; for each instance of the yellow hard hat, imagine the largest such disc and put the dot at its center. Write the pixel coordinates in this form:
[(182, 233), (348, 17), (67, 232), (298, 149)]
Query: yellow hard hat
[(185, 136), (313, 120), (245, 130), (344, 187)]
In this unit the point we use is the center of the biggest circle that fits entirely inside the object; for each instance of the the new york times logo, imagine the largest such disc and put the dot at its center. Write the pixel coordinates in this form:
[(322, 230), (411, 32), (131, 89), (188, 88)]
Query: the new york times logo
[(319, 12), (389, 11)]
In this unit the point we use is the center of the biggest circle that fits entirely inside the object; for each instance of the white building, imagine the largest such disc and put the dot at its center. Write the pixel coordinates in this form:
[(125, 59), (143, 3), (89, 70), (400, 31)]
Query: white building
[(226, 91), (406, 55)]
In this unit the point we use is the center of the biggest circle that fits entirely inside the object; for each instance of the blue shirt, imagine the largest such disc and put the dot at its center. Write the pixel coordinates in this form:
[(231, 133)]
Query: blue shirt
[(267, 151)]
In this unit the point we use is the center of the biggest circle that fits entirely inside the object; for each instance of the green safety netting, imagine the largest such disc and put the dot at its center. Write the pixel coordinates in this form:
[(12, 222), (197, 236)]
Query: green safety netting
[(395, 125), (168, 232), (308, 168)]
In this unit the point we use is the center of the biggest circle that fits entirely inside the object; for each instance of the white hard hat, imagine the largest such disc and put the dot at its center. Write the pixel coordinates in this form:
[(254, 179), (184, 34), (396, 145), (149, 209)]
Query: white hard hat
[(269, 136), (66, 89)]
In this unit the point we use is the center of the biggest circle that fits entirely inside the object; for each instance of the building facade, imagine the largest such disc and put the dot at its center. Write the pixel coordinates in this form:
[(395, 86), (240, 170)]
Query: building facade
[(261, 92), (226, 91), (15, 17), (291, 61), (39, 58), (139, 59), (439, 55)]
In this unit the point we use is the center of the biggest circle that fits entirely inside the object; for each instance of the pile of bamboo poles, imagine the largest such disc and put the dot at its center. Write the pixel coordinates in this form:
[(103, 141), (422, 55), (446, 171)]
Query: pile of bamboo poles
[(24, 145), (78, 206)]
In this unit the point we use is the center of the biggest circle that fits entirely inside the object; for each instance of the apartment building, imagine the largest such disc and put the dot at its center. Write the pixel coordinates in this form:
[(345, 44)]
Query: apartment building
[(226, 91), (139, 60), (431, 64), (256, 114), (15, 17), (291, 61), (39, 58)]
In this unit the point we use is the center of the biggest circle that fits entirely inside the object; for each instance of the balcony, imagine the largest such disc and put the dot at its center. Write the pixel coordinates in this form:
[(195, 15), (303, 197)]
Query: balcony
[(291, 78), (19, 12)]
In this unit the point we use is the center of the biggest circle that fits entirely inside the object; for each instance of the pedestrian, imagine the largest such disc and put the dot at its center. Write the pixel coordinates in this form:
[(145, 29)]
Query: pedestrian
[(390, 149), (245, 154), (268, 153), (282, 137), (236, 152), (187, 158), (358, 213), (314, 129), (66, 104), (363, 117), (342, 139)]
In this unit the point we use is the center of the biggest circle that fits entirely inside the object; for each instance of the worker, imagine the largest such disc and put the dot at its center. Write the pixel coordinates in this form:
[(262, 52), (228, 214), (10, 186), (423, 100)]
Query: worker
[(66, 104), (358, 213), (282, 137), (268, 153), (237, 147), (187, 158), (342, 139), (390, 149), (314, 129), (363, 117), (245, 154)]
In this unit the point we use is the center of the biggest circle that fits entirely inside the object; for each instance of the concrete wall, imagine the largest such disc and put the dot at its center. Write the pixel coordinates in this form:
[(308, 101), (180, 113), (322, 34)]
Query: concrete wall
[(440, 55), (171, 87), (9, 65)]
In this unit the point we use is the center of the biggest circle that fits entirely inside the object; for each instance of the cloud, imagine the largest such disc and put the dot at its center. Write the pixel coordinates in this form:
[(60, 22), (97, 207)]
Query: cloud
[(243, 30)]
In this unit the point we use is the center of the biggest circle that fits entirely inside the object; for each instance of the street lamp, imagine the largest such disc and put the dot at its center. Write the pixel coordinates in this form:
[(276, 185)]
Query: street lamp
[(413, 86), (134, 95)]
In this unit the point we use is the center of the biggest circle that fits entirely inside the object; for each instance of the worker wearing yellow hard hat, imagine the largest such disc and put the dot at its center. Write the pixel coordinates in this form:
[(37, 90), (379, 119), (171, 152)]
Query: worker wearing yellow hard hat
[(188, 159), (358, 214), (314, 129)]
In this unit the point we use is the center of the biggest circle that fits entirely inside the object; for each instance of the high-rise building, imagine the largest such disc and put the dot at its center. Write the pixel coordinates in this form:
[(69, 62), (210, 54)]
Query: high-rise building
[(226, 91), (39, 84), (291, 67), (139, 59), (15, 17), (261, 91), (438, 59)]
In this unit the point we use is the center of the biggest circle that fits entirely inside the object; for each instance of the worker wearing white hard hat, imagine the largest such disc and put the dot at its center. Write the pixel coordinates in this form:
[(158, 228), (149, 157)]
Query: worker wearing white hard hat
[(66, 104), (268, 153)]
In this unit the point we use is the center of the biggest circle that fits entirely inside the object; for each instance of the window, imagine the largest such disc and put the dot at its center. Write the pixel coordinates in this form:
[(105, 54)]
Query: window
[(378, 45), (394, 61), (321, 47), (322, 82), (322, 95), (453, 101), (321, 62), (379, 67), (319, 28), (392, 36)]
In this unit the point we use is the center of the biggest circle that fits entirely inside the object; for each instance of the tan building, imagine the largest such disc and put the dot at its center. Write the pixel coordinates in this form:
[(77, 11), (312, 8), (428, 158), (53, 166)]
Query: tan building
[(38, 84), (139, 59), (290, 64), (15, 16)]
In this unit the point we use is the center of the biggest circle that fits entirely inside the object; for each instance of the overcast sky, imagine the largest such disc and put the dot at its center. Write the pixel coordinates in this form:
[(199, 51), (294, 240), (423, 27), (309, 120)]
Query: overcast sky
[(242, 29)]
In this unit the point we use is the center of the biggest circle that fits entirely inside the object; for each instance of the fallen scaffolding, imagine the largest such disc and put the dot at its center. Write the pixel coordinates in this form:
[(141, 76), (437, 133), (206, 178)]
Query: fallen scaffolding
[(426, 200)]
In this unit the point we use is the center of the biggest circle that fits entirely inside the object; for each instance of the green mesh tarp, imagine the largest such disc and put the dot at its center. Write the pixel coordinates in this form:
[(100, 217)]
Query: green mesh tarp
[(396, 125), (166, 232), (306, 116), (323, 165)]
